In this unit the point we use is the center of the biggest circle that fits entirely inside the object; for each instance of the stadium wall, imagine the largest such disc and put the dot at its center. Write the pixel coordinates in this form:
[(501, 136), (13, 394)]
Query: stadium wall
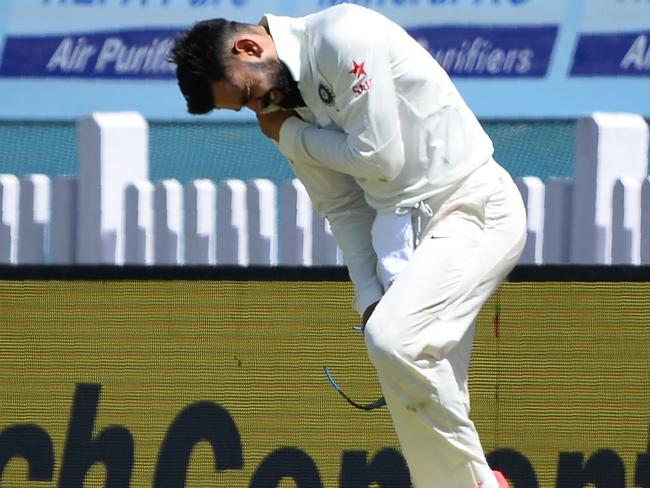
[(194, 377)]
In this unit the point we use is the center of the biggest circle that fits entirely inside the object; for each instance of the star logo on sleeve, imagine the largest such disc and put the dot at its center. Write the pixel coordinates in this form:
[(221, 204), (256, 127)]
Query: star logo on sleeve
[(358, 69)]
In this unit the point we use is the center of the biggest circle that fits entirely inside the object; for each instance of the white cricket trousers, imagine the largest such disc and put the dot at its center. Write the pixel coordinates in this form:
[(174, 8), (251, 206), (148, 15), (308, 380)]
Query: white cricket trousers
[(419, 337)]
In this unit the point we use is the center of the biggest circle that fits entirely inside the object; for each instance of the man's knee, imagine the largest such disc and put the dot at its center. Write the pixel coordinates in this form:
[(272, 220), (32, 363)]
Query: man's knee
[(384, 334)]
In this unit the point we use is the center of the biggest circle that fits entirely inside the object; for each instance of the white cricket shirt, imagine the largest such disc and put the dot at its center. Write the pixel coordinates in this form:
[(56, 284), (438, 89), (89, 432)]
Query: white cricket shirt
[(384, 126)]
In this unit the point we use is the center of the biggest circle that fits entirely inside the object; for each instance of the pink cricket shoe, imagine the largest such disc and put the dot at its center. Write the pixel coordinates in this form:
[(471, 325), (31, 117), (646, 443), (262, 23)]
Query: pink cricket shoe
[(503, 482)]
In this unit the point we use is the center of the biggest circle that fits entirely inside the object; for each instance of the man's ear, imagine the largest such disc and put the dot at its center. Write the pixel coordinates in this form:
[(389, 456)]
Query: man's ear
[(247, 46)]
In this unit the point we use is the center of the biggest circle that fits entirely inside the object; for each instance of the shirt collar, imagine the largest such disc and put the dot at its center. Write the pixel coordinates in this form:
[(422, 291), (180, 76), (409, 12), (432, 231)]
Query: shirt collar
[(288, 35)]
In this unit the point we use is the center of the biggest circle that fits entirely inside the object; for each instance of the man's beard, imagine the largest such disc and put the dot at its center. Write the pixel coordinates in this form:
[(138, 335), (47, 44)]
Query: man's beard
[(283, 82)]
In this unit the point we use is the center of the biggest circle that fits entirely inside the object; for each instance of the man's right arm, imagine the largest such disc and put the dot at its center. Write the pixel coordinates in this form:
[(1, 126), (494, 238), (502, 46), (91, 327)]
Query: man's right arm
[(338, 198)]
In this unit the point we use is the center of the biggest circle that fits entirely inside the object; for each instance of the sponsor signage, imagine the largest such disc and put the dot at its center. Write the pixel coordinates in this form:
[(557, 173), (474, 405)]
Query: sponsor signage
[(622, 54), (490, 52), (177, 383), (614, 39), (510, 58), (140, 54)]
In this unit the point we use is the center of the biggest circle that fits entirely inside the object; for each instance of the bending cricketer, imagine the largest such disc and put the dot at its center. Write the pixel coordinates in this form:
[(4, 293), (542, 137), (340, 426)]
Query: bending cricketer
[(429, 224)]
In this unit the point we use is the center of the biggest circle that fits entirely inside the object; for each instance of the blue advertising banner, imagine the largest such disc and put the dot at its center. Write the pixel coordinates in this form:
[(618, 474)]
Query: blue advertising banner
[(135, 54), (614, 40), (509, 58), (142, 54), (490, 52), (613, 55)]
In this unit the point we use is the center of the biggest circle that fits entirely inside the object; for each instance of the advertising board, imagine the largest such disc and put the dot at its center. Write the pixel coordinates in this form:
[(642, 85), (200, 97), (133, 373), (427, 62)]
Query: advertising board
[(510, 58), (219, 382)]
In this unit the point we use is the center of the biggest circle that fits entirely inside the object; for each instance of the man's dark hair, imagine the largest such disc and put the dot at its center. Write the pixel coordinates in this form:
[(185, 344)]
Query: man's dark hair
[(201, 56)]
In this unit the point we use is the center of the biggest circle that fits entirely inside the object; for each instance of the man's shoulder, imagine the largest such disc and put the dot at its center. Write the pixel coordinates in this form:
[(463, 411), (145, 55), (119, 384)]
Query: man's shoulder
[(342, 9), (344, 27), (342, 20)]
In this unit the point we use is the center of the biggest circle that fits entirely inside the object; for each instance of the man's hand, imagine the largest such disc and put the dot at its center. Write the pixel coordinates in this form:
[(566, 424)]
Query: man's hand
[(271, 123), (368, 313)]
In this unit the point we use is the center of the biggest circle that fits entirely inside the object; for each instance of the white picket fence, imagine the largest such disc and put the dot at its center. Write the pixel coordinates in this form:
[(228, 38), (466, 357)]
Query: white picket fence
[(202, 223), (113, 214)]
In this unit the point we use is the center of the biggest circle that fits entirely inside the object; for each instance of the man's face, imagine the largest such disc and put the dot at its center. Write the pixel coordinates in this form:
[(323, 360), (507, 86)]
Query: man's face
[(257, 85)]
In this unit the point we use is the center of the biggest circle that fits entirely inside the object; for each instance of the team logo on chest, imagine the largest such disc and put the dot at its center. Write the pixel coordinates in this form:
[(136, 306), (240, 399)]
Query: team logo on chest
[(326, 94)]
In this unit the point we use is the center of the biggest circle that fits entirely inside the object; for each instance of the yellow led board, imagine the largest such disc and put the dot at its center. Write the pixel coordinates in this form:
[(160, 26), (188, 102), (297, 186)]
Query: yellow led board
[(181, 383)]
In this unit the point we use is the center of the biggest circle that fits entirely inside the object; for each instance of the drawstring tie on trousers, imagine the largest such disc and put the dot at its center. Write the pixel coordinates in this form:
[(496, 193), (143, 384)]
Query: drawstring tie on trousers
[(420, 212)]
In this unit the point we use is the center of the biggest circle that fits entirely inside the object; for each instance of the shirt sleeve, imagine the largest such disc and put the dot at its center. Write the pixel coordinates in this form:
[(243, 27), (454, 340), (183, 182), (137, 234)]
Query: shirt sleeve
[(338, 198), (356, 69)]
